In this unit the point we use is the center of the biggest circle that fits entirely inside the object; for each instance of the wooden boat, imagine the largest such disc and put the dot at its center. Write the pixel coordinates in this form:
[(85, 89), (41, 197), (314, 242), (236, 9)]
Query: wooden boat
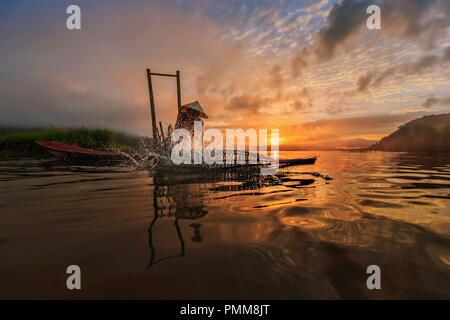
[(76, 154), (73, 154)]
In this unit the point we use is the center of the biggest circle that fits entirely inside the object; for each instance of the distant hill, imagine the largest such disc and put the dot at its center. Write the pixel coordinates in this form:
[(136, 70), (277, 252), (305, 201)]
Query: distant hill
[(426, 134)]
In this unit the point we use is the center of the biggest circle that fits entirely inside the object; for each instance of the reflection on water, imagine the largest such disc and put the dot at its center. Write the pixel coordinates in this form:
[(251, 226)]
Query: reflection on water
[(167, 202), (142, 234)]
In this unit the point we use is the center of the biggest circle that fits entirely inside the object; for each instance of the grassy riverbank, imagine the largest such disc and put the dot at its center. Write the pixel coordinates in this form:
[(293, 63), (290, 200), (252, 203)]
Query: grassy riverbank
[(16, 142)]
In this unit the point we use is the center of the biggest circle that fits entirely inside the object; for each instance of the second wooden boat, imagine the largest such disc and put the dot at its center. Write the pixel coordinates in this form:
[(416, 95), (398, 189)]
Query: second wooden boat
[(72, 153)]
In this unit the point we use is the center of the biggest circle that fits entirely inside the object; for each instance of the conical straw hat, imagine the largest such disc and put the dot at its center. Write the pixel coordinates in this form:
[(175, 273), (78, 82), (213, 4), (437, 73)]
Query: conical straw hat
[(195, 106)]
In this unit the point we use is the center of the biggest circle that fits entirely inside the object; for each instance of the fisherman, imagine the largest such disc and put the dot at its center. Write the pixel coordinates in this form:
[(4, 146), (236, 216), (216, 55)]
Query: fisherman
[(188, 114)]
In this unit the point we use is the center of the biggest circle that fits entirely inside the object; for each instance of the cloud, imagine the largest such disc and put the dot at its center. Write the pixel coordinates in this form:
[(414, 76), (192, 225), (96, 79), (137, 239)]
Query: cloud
[(303, 100), (430, 102), (334, 109), (276, 78), (422, 64), (51, 99), (435, 101), (424, 20), (364, 81), (246, 103), (300, 61), (343, 21), (370, 123), (415, 67)]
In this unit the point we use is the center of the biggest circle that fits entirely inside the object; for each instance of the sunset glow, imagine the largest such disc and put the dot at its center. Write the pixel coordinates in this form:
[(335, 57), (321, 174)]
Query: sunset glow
[(252, 64)]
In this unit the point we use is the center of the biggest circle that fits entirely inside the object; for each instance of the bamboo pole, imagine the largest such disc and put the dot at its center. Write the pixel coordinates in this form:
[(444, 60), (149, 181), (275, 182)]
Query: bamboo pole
[(163, 138), (162, 131), (152, 107), (178, 90), (163, 74)]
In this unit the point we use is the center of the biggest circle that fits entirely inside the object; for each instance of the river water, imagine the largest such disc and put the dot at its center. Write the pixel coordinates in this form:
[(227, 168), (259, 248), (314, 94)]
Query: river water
[(136, 233)]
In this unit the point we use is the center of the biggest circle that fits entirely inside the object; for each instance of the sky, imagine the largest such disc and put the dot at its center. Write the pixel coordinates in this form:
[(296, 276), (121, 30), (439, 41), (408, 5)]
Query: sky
[(311, 69)]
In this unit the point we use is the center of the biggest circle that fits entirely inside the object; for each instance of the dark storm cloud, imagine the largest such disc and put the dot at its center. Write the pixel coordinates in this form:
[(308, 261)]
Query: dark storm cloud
[(343, 21), (424, 20)]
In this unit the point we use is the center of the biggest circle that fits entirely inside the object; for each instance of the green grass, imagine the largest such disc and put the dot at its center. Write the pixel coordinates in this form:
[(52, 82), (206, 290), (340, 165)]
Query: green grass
[(21, 142)]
